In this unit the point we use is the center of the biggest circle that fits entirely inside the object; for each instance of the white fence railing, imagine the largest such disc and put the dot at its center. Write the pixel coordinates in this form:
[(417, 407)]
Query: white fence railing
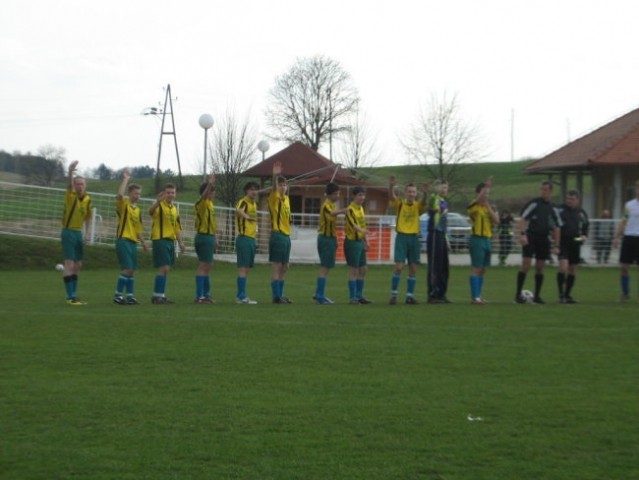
[(34, 211)]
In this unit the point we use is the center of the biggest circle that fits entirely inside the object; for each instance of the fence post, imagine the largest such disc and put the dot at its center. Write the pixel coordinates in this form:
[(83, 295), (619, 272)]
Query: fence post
[(94, 219)]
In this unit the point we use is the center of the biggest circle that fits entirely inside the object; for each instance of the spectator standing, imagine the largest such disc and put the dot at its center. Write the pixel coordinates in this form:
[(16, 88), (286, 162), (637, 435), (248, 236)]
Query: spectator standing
[(603, 231)]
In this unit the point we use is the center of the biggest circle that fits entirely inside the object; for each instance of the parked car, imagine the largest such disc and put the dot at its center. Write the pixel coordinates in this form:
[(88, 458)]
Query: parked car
[(458, 231)]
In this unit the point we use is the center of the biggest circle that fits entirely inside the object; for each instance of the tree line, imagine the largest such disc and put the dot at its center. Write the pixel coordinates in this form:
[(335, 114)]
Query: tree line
[(48, 165)]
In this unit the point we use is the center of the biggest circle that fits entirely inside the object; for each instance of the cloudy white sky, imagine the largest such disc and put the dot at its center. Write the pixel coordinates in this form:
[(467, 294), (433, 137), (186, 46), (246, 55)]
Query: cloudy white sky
[(77, 73)]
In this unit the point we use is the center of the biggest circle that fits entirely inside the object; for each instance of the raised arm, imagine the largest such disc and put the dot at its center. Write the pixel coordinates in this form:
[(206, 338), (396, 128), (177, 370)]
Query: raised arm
[(160, 196), (210, 186), (277, 171), (72, 168), (392, 185), (126, 176)]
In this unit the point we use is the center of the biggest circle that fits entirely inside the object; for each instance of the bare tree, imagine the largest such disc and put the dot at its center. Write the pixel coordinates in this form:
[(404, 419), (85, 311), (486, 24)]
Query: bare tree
[(233, 148), (311, 102), (441, 140), (358, 147), (44, 167)]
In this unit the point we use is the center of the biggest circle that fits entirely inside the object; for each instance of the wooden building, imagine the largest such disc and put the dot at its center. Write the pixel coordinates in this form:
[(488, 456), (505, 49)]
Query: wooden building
[(308, 172), (609, 155)]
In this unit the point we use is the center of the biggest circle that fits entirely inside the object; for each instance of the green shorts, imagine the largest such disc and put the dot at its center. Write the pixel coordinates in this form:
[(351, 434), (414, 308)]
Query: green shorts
[(279, 248), (245, 251), (355, 253), (407, 248), (127, 252), (204, 247), (327, 250), (163, 252), (72, 244), (480, 249)]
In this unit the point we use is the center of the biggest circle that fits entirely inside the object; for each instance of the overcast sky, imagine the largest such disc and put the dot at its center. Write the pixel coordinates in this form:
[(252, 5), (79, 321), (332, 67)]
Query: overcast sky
[(78, 73)]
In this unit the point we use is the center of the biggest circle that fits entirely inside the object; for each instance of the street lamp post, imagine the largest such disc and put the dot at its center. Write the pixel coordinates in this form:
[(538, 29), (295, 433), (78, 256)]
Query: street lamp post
[(206, 122), (263, 146)]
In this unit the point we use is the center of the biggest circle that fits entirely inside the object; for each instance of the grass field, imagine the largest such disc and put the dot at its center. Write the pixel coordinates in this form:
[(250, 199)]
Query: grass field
[(315, 392)]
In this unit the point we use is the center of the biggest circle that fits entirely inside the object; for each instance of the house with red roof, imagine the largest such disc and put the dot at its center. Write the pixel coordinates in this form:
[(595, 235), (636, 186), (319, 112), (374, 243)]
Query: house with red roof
[(609, 155), (308, 172)]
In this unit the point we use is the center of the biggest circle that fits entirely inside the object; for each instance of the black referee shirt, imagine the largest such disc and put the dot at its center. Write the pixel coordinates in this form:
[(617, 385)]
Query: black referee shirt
[(542, 217)]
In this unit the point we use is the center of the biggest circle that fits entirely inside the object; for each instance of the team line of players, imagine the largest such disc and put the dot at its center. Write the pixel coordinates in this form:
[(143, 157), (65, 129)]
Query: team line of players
[(544, 229)]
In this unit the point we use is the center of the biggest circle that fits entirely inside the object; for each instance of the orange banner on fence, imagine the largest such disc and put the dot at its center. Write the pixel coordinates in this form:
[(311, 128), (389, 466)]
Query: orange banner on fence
[(379, 244)]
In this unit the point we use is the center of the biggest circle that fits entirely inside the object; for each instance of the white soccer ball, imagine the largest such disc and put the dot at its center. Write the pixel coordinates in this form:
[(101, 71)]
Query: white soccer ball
[(527, 295), (59, 267)]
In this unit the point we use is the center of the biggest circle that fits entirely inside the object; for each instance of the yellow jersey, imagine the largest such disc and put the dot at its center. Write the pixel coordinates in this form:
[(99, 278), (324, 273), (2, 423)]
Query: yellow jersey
[(280, 211), (354, 216), (166, 222), (205, 217), (327, 225), (481, 222), (244, 227), (407, 215), (76, 210), (129, 220)]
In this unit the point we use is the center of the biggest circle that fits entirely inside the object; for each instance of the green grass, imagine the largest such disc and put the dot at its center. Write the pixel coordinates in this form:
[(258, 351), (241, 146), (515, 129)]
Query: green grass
[(311, 392)]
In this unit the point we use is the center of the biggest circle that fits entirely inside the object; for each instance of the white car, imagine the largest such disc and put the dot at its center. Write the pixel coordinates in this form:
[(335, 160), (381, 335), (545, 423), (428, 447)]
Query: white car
[(458, 227)]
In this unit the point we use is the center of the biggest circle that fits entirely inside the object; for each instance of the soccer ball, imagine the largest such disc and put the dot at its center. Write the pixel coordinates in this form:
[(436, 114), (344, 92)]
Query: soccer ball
[(59, 267), (527, 295)]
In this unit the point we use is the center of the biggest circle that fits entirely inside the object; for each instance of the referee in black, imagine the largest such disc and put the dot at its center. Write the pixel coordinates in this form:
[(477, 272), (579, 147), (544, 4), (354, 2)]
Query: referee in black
[(574, 232), (539, 219)]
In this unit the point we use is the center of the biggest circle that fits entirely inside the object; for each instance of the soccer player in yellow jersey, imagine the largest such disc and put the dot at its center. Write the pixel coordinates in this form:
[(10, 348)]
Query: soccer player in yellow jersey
[(279, 246), (205, 228), (355, 247), (407, 249), (327, 240), (128, 235), (78, 212), (482, 218), (166, 230), (245, 243)]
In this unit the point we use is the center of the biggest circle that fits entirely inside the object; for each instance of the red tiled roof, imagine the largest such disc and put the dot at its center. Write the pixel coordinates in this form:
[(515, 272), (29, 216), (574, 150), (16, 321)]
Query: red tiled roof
[(616, 143), (296, 159)]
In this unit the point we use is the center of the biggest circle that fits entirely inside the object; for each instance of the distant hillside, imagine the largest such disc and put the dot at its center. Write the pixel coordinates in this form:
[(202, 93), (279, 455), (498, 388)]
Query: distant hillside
[(512, 188)]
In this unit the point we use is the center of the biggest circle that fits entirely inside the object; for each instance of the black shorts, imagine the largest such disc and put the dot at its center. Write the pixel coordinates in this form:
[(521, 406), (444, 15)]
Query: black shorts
[(538, 247), (570, 250), (629, 250)]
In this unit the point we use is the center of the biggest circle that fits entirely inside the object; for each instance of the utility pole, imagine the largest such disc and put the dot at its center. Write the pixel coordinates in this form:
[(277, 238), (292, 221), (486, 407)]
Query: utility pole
[(168, 110)]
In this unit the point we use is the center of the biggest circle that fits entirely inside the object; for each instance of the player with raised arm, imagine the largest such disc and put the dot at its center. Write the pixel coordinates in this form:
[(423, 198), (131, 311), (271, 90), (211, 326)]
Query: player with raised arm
[(407, 248), (77, 215), (129, 234)]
